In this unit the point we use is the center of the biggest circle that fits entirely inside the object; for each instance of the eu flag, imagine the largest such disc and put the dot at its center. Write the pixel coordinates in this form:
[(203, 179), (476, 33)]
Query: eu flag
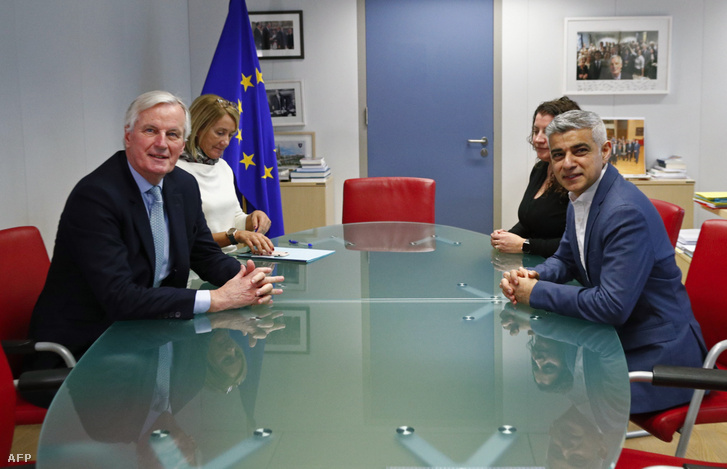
[(235, 75)]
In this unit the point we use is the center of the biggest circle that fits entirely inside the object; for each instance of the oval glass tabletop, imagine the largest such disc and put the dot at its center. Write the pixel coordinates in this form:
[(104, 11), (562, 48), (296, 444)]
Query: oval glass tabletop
[(396, 378)]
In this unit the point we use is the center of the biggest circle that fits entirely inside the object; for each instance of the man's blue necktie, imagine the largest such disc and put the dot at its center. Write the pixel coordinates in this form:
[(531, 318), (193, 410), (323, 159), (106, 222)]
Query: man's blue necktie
[(158, 231)]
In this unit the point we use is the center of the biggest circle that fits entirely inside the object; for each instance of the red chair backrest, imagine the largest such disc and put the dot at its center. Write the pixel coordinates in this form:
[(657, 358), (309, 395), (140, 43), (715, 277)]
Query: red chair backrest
[(706, 282), (388, 199), (24, 267), (672, 215), (7, 407)]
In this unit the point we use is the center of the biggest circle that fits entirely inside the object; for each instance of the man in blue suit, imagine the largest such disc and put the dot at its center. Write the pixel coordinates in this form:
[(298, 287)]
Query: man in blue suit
[(616, 246), (105, 266)]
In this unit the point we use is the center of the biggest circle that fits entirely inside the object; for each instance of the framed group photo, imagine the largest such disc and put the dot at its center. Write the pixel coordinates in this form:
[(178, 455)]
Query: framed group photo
[(617, 55), (278, 34), (285, 99), (627, 144)]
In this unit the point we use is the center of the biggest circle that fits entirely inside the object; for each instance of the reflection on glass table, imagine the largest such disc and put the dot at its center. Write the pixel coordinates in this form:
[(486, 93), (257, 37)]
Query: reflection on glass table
[(377, 384), (391, 260)]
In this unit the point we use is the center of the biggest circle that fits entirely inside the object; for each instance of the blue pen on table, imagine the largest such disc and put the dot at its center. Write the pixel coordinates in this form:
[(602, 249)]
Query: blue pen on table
[(292, 241)]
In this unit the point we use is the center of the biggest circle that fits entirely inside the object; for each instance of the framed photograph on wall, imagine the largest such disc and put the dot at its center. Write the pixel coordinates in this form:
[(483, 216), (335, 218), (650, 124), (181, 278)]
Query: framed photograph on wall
[(617, 55), (285, 99), (294, 337), (627, 145), (277, 34), (291, 147)]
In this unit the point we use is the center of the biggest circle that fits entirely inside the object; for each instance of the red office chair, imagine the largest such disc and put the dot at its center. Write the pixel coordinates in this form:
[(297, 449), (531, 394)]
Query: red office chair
[(706, 274), (708, 266), (388, 199), (7, 414), (7, 407), (24, 266), (672, 215), (680, 377), (635, 459)]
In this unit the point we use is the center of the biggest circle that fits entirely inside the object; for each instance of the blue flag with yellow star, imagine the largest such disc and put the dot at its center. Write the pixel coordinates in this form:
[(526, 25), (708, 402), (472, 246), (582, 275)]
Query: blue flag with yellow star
[(235, 75)]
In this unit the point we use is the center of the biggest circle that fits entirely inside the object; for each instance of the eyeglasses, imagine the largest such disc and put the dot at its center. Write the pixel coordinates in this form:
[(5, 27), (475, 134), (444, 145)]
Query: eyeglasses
[(226, 104)]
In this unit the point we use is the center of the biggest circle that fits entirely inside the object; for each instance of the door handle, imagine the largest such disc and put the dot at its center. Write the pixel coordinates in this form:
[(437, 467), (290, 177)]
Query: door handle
[(482, 141)]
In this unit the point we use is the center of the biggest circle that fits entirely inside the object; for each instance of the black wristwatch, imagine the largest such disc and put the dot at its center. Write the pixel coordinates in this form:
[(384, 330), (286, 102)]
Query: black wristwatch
[(526, 246), (231, 236)]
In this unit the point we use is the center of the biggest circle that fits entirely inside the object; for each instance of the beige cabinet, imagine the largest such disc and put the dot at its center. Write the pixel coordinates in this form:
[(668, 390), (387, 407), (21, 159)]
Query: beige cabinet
[(307, 205), (676, 191)]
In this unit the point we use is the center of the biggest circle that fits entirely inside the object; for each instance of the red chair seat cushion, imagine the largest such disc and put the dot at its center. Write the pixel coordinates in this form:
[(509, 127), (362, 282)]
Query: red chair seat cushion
[(27, 413), (634, 459), (664, 424)]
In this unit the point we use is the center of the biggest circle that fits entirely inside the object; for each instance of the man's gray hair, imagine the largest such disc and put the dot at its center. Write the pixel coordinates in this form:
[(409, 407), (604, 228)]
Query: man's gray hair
[(577, 120), (151, 99)]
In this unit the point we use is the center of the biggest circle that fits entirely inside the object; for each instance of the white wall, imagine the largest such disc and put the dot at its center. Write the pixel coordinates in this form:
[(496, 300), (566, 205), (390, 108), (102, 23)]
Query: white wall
[(711, 172), (329, 73), (682, 122), (69, 70)]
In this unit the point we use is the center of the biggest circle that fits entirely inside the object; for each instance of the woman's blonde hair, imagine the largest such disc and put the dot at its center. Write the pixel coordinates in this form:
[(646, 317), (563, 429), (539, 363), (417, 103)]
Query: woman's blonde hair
[(206, 110)]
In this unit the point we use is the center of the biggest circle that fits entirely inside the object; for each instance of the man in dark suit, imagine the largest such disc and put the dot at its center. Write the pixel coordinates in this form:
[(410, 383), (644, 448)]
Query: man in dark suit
[(258, 35), (616, 246), (104, 265), (594, 70)]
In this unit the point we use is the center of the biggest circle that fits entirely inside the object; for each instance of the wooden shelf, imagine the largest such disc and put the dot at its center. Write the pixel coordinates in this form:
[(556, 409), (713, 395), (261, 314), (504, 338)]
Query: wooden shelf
[(720, 212)]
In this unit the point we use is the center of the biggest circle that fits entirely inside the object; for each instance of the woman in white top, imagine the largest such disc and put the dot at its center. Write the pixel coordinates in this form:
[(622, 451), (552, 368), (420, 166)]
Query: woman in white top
[(214, 123)]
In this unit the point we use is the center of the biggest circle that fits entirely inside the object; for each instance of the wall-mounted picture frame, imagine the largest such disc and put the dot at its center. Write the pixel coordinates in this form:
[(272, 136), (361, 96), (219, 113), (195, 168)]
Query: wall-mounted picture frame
[(294, 338), (628, 152), (617, 55), (285, 99), (291, 147), (277, 34)]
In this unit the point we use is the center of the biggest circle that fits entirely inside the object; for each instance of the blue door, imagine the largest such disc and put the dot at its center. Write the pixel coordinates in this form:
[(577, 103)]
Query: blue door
[(429, 84)]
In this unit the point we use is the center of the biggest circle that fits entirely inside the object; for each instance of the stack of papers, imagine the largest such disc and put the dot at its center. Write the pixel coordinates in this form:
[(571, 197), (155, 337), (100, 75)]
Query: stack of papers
[(687, 240), (662, 173), (669, 168), (673, 162), (311, 170), (715, 200)]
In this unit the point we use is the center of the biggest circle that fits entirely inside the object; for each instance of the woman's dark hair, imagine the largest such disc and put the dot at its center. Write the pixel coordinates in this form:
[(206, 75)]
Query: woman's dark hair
[(553, 108)]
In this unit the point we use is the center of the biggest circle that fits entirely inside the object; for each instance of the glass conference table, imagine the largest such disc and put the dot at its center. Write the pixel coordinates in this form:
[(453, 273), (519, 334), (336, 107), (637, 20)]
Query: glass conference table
[(396, 351)]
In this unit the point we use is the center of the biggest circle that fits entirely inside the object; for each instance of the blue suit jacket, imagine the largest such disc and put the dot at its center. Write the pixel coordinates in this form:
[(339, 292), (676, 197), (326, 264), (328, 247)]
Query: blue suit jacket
[(103, 261), (630, 281)]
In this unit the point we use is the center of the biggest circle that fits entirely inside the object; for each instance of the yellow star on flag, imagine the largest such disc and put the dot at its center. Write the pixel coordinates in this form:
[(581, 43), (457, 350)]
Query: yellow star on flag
[(268, 173), (247, 159), (259, 76), (239, 135), (239, 105), (246, 81)]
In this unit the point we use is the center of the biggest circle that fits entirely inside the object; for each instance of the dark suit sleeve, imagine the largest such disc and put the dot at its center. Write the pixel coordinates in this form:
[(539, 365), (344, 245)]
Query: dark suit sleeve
[(626, 265)]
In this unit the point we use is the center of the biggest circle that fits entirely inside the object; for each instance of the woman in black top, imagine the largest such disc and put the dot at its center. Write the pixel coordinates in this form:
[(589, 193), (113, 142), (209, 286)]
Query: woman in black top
[(541, 215)]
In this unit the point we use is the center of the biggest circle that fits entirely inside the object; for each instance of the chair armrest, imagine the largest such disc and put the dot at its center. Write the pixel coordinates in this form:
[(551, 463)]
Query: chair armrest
[(42, 379), (17, 347), (690, 377), (28, 346), (40, 387)]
